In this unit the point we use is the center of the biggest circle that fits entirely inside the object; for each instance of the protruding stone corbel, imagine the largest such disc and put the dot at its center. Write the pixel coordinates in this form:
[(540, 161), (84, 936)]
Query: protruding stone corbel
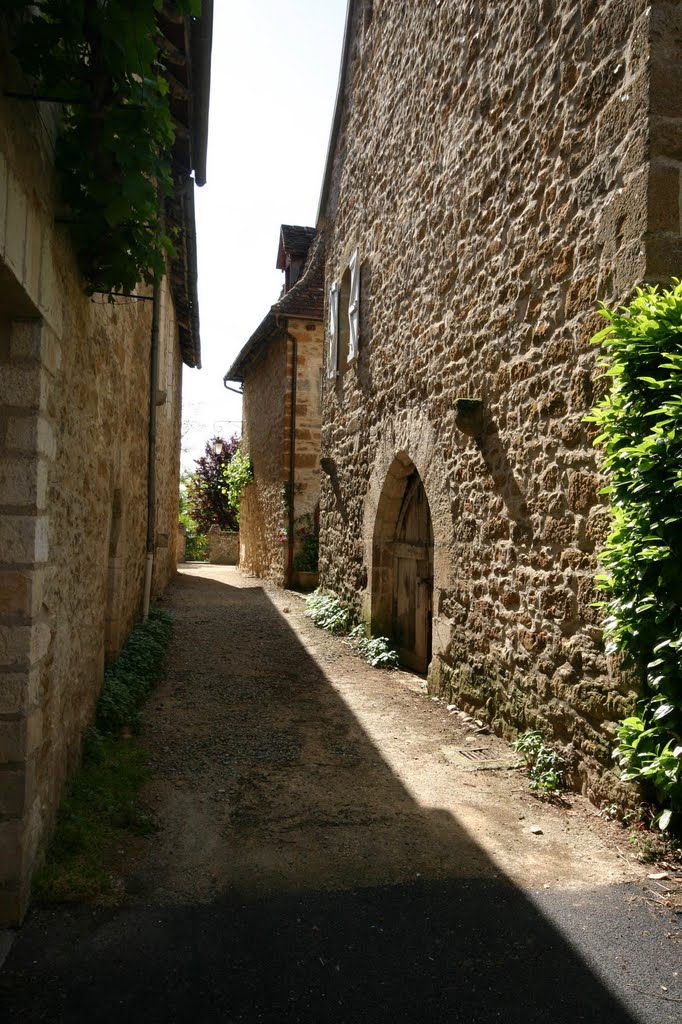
[(469, 416)]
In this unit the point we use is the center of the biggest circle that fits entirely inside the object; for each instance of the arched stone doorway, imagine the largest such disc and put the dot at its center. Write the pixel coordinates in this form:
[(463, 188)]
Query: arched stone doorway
[(402, 577)]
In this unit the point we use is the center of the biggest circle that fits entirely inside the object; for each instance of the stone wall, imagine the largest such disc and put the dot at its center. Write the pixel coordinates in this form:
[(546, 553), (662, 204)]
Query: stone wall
[(263, 514), (74, 385), (267, 411), (492, 168), (306, 497), (223, 546)]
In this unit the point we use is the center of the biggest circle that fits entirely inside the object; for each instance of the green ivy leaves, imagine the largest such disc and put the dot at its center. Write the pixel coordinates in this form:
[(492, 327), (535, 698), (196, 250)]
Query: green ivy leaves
[(640, 424), (238, 474), (114, 148)]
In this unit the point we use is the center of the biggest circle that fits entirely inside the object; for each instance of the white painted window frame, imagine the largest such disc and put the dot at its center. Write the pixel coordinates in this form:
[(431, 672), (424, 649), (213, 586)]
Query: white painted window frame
[(354, 307), (333, 350)]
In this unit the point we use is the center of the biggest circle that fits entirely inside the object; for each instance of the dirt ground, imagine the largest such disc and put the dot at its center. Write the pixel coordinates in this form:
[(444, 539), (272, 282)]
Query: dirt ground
[(282, 762), (334, 847)]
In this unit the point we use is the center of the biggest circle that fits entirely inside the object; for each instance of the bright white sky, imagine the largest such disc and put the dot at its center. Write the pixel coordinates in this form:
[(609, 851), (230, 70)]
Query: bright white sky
[(274, 74)]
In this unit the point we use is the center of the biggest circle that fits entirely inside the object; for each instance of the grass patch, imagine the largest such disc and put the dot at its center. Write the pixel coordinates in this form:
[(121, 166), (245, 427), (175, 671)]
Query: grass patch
[(101, 802)]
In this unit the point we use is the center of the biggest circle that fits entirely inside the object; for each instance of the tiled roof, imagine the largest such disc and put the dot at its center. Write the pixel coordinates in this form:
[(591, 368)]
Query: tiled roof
[(305, 299), (294, 240)]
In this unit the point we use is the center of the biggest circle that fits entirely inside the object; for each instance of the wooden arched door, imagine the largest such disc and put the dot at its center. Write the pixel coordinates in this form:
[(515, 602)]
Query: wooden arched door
[(413, 577)]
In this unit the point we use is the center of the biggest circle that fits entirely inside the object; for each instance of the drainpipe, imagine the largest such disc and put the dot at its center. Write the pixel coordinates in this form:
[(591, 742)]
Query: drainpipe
[(292, 457), (151, 454)]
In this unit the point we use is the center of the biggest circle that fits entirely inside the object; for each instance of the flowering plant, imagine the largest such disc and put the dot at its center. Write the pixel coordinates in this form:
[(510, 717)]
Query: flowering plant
[(281, 536), (308, 543)]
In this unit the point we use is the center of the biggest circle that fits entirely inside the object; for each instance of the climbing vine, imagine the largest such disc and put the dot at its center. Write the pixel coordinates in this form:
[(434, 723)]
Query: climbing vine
[(100, 59), (237, 474), (641, 435)]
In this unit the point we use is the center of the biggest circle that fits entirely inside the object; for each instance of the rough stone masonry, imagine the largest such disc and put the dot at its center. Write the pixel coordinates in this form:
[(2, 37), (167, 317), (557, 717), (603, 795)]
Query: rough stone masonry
[(499, 168)]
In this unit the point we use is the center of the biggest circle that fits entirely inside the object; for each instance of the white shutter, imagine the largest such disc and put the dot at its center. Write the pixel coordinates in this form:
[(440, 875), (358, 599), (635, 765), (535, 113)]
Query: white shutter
[(354, 306), (332, 352)]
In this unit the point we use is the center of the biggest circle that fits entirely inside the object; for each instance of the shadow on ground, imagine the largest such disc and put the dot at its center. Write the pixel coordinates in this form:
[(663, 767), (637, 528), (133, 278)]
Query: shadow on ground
[(334, 897)]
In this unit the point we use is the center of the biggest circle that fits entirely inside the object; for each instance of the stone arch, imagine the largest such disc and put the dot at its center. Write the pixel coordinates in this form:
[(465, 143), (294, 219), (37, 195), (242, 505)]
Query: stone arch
[(402, 561), (408, 443)]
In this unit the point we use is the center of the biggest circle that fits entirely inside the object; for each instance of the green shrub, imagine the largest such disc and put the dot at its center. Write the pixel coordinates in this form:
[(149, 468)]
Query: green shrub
[(128, 680), (545, 765), (329, 612), (375, 650), (641, 435)]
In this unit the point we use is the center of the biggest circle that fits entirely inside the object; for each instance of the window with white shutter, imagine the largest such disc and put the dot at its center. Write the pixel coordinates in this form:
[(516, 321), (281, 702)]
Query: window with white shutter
[(354, 306), (332, 352)]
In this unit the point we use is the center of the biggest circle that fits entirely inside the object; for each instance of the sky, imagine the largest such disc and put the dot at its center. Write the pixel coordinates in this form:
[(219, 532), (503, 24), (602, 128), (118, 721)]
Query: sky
[(275, 69)]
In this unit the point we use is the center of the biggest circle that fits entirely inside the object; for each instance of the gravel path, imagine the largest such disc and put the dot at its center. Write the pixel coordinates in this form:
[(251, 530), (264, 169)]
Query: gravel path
[(333, 845)]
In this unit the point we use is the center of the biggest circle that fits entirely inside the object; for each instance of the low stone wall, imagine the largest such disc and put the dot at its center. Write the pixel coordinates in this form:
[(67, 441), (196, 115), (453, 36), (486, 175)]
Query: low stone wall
[(182, 542), (223, 547)]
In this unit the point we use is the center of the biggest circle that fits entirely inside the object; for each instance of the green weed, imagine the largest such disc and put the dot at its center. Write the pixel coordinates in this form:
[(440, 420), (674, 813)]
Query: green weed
[(546, 766), (101, 802)]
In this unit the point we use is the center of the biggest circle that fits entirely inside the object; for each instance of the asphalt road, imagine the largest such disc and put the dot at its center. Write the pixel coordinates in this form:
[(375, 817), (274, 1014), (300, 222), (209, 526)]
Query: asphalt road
[(456, 951)]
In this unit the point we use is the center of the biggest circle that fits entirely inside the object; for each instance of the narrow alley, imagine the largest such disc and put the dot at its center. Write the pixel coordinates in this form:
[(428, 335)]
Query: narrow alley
[(332, 845)]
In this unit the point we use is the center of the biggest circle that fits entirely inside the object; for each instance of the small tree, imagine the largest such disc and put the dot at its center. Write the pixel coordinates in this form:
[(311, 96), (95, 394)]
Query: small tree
[(207, 502)]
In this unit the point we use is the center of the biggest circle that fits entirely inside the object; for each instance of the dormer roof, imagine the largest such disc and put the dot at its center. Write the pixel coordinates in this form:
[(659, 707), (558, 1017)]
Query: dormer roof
[(294, 242)]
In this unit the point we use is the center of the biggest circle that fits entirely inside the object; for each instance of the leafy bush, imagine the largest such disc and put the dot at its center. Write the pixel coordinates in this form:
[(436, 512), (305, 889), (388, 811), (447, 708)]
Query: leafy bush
[(641, 436), (329, 612), (376, 650), (545, 765), (128, 680)]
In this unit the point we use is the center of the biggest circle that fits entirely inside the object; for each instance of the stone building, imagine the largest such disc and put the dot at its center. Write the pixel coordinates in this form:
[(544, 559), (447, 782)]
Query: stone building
[(279, 370), (77, 451), (493, 170)]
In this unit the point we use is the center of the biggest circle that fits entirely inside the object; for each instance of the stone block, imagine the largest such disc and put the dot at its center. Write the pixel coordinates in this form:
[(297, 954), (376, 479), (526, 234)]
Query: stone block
[(12, 792), (23, 539), (34, 730), (23, 646), (15, 232), (664, 198), (3, 203), (30, 434), (26, 340), (21, 386), (11, 839), (12, 740), (23, 482), (20, 592), (51, 351), (19, 691), (51, 293), (33, 251), (663, 257)]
